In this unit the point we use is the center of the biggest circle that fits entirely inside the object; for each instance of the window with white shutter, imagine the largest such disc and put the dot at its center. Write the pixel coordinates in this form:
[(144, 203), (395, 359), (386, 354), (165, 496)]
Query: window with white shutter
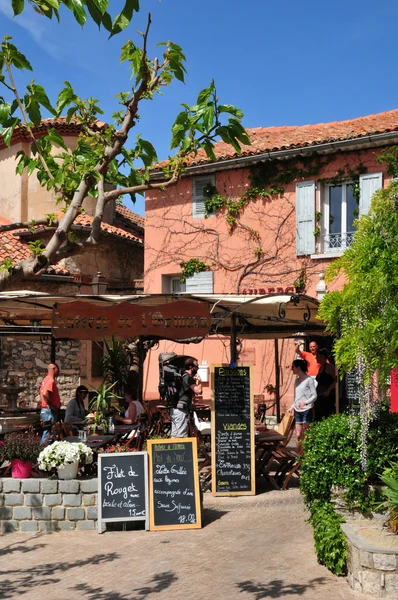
[(200, 283), (305, 217), (369, 183), (199, 184), (340, 212)]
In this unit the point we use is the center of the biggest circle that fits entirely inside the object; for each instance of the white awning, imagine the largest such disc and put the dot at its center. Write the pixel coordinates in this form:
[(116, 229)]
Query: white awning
[(256, 317)]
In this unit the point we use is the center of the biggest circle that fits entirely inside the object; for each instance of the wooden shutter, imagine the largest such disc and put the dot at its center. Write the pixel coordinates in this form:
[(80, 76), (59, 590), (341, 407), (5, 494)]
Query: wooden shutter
[(200, 283), (369, 183), (198, 198), (305, 217)]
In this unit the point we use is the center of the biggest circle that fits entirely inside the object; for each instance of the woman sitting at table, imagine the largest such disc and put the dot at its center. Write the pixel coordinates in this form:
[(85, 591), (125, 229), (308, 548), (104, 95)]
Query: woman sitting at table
[(304, 399), (76, 411), (133, 410)]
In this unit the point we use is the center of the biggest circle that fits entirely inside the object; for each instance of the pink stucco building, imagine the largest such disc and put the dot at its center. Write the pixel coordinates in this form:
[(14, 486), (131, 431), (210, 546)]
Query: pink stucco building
[(321, 177)]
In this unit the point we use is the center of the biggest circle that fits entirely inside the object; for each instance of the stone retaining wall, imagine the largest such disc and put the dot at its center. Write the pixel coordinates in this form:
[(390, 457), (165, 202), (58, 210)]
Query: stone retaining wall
[(373, 562), (48, 504)]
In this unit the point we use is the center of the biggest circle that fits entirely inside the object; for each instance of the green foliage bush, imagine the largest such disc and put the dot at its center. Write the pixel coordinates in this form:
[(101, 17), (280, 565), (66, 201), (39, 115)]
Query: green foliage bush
[(332, 457), (332, 460), (330, 542)]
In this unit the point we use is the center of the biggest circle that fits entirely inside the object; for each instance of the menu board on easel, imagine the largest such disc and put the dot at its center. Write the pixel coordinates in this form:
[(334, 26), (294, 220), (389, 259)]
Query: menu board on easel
[(174, 493), (233, 451), (123, 488)]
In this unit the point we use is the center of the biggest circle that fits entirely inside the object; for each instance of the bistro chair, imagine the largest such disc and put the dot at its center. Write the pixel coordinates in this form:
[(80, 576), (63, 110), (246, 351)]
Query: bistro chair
[(287, 461)]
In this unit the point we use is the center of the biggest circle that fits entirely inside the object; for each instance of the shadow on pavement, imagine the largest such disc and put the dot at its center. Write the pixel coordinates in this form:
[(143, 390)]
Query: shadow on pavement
[(21, 581), (160, 582), (212, 514), (18, 547), (278, 588)]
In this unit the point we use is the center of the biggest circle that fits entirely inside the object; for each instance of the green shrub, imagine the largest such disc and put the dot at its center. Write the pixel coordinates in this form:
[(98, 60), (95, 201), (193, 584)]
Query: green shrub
[(332, 459), (382, 443), (330, 542)]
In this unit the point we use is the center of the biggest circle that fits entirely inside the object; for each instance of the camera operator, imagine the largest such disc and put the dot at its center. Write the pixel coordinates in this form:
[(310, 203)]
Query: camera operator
[(191, 385)]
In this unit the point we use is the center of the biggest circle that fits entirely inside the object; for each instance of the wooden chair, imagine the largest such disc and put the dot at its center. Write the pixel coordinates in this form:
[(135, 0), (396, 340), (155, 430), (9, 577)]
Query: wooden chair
[(286, 461), (136, 441)]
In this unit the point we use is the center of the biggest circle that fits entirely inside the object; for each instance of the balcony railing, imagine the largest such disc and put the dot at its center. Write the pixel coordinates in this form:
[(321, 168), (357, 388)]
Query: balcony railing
[(336, 242)]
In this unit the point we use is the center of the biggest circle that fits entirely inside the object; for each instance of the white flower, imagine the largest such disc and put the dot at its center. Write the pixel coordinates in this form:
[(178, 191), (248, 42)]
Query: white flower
[(59, 454)]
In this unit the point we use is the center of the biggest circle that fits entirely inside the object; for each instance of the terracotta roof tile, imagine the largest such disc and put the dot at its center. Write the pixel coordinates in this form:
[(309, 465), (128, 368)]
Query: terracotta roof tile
[(17, 249), (123, 211), (86, 221), (65, 129), (269, 139)]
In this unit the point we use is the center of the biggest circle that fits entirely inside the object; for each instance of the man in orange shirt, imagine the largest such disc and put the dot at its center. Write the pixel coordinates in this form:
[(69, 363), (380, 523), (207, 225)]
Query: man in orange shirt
[(310, 357), (50, 402)]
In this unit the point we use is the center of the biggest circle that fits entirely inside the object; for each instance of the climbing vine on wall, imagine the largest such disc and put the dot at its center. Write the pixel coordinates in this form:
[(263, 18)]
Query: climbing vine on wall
[(192, 266), (267, 179), (270, 178)]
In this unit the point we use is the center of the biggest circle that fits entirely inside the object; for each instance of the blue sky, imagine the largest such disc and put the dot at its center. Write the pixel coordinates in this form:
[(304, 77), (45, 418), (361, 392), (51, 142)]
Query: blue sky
[(282, 63)]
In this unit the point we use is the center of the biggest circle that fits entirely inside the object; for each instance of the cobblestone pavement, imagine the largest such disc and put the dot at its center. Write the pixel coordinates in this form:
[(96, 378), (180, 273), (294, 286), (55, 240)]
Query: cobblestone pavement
[(250, 548)]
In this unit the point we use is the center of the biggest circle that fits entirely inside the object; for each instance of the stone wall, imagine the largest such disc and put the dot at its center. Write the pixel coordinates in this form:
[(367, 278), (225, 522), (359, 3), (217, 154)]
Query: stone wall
[(26, 361), (373, 560), (28, 505)]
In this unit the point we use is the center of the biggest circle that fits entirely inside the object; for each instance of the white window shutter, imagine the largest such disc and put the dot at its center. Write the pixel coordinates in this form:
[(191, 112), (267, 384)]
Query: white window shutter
[(369, 183), (198, 197), (200, 283), (305, 217)]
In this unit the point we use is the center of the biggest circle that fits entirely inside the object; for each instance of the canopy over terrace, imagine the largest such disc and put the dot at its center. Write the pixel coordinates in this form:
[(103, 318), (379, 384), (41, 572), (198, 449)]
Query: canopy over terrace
[(181, 317)]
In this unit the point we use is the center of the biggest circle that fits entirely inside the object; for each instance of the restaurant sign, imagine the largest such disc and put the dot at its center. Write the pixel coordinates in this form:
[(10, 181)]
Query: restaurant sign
[(177, 320)]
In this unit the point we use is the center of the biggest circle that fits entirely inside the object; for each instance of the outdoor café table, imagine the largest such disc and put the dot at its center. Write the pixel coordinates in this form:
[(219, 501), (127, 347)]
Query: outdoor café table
[(266, 440), (93, 441)]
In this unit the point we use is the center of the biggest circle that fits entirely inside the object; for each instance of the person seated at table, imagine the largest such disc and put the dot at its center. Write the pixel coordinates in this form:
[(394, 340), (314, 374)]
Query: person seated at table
[(76, 411), (133, 410), (304, 399), (326, 378)]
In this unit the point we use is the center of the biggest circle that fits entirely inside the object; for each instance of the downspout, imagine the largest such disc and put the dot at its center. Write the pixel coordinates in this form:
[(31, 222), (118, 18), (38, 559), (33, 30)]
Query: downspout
[(277, 382)]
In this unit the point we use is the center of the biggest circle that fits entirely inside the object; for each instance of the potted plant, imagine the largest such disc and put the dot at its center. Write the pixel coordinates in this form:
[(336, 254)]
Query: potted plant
[(22, 451), (301, 281), (390, 479), (65, 457), (101, 406)]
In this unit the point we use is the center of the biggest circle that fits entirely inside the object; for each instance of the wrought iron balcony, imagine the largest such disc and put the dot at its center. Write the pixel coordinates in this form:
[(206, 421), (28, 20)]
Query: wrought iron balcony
[(336, 242)]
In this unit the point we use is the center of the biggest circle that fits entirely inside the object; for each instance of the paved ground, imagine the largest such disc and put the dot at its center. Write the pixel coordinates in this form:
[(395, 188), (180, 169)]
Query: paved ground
[(249, 548)]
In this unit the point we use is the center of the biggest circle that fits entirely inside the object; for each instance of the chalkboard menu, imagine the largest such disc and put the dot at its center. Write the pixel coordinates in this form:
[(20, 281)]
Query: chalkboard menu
[(174, 484), (123, 487), (351, 388), (232, 431)]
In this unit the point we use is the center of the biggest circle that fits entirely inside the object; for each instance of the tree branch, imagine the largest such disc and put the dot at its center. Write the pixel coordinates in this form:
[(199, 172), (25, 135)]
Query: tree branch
[(24, 225), (26, 120), (99, 213)]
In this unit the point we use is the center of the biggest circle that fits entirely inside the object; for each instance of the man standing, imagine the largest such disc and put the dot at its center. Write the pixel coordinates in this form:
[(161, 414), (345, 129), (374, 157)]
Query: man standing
[(50, 402), (191, 384), (310, 357)]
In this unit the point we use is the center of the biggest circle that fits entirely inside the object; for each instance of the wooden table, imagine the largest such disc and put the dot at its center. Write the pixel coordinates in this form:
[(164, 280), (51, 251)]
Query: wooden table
[(93, 441), (267, 440)]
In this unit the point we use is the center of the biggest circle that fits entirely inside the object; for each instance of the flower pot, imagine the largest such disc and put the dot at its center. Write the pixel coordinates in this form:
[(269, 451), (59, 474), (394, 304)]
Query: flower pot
[(21, 469), (68, 471)]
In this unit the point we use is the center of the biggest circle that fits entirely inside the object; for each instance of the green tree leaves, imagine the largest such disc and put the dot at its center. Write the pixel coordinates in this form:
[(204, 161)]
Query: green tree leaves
[(200, 125), (364, 314), (97, 10)]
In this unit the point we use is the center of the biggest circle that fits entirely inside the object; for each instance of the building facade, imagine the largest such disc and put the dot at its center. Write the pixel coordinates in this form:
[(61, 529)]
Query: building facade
[(117, 261), (270, 219)]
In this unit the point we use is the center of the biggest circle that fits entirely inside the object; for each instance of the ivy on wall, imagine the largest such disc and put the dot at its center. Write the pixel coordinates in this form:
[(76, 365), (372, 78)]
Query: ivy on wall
[(192, 266), (270, 178)]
